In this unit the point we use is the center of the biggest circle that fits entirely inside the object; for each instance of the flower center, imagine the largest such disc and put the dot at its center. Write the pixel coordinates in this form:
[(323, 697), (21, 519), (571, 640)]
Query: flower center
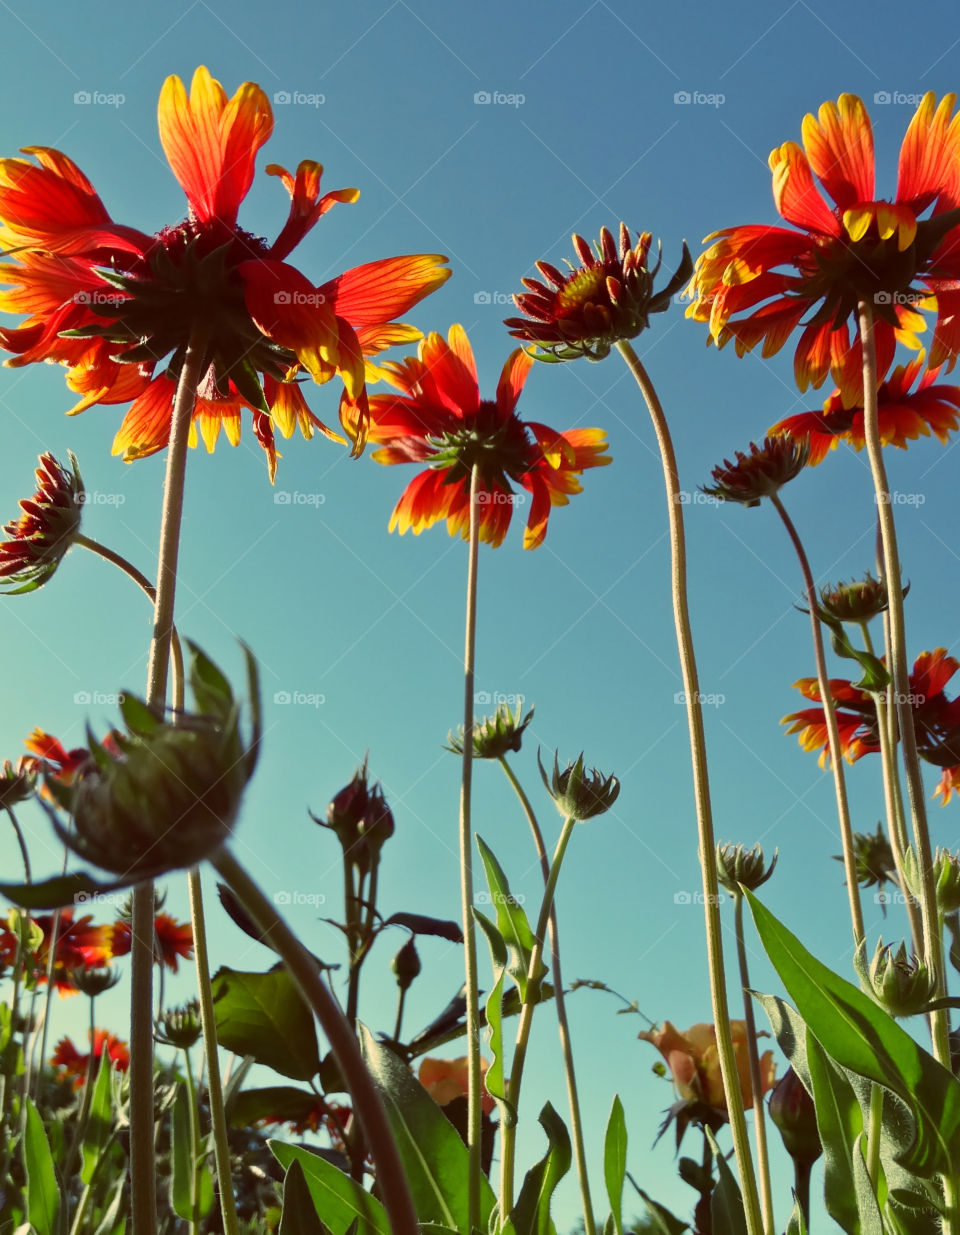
[(585, 286)]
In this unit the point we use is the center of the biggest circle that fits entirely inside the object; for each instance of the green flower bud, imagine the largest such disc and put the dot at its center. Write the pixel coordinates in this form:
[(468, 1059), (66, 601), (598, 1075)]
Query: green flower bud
[(406, 964), (17, 783), (792, 1110), (93, 982), (901, 985), (168, 795), (873, 858), (180, 1027), (946, 875), (579, 794), (737, 865), (496, 735), (858, 601)]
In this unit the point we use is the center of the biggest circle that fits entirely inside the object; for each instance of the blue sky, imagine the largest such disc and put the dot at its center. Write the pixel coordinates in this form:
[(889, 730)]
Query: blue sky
[(662, 117)]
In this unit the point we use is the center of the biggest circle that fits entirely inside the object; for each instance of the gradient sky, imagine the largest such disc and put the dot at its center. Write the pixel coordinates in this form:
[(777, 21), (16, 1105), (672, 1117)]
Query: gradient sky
[(662, 117)]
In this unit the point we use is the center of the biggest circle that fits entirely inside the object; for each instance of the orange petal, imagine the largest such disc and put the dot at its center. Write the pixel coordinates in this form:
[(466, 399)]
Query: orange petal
[(930, 156), (839, 145), (795, 194), (382, 290), (146, 427)]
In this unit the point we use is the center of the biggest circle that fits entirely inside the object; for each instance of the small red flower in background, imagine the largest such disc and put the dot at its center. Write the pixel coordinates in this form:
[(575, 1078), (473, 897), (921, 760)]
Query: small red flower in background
[(858, 249), (904, 416), (172, 940), (441, 420), (110, 302), (936, 718), (68, 1059), (694, 1062), (80, 945), (447, 1079), (39, 539)]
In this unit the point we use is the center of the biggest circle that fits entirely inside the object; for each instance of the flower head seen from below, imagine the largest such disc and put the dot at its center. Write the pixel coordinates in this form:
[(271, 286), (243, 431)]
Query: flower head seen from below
[(172, 940), (118, 307), (38, 540), (904, 414), (496, 735), (757, 284), (605, 300), (759, 474), (441, 420), (859, 601), (694, 1062), (577, 793)]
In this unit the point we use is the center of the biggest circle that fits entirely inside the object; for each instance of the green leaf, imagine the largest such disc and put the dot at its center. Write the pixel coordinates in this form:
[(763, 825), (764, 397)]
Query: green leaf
[(299, 1216), (420, 924), (334, 1195), (99, 1122), (615, 1161), (658, 1220), (871, 1223), (531, 1214), (726, 1202), (875, 675), (138, 717), (839, 1122), (796, 1225), (211, 690), (434, 1158), (43, 1192), (511, 920), (114, 1221), (280, 1102), (58, 892), (863, 1039), (494, 1079), (264, 1015), (181, 1154)]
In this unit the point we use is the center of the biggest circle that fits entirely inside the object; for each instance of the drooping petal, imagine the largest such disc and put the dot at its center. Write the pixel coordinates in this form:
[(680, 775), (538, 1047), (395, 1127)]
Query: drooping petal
[(839, 145), (796, 196), (146, 427), (306, 204), (512, 380)]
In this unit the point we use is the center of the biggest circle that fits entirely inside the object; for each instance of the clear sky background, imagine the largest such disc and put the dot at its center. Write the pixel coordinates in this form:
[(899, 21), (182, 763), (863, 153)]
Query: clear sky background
[(586, 125)]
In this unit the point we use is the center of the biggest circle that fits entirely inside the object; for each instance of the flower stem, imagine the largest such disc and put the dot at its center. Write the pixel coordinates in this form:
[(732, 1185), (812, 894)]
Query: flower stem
[(933, 939), (474, 1079), (874, 1125), (196, 1165), (701, 785), (753, 1058), (833, 730), (391, 1181), (576, 1123), (143, 1200), (208, 1021), (508, 1134)]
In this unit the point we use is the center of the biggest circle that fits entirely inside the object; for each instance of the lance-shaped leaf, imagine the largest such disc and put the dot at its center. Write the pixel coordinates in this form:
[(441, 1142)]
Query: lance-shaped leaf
[(494, 1080), (615, 1161), (531, 1214), (43, 1194), (860, 1037), (511, 920), (99, 1122), (726, 1202), (420, 924), (336, 1197), (299, 1216)]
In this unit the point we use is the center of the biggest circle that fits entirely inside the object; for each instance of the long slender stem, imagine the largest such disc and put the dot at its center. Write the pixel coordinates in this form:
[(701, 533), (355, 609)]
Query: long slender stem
[(143, 1198), (801, 1186), (933, 939), (753, 1058), (474, 1079), (391, 1180), (833, 729), (196, 1165), (66, 1169), (566, 1047), (208, 1020), (701, 785), (508, 1133), (141, 580), (874, 1125)]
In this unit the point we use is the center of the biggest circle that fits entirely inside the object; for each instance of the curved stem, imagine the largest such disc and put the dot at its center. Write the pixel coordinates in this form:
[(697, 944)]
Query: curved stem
[(141, 580), (391, 1180), (833, 730), (208, 1021), (701, 785), (508, 1133), (27, 877), (566, 1047), (933, 939), (753, 1059), (474, 1079), (143, 1198)]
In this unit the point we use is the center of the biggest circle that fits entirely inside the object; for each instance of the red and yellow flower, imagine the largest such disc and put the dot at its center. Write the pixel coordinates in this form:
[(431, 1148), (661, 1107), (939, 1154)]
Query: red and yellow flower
[(73, 1064), (172, 940), (694, 1062), (757, 284), (904, 415), (936, 718), (111, 303), (80, 945), (441, 420)]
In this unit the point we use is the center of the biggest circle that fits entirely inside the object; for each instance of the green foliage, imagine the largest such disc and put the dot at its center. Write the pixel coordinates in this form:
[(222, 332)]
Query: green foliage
[(264, 1015)]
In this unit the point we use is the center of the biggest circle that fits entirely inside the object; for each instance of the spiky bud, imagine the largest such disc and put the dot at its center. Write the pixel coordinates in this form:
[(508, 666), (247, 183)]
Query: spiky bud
[(579, 794), (496, 735), (902, 985), (17, 783), (93, 982), (180, 1027), (858, 601), (747, 867)]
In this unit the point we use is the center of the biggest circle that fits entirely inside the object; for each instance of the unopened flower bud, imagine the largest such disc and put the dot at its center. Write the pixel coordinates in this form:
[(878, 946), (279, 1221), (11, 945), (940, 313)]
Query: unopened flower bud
[(792, 1110), (180, 1027), (946, 876), (49, 524), (496, 735), (406, 964), (873, 858), (858, 601), (169, 796), (579, 794), (17, 783), (737, 865), (761, 473), (376, 826), (93, 982), (347, 808), (903, 986)]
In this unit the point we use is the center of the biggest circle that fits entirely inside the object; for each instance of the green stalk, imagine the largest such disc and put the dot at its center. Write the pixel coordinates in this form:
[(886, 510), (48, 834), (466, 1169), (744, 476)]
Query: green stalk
[(874, 1126), (833, 730), (933, 940), (508, 1133), (753, 1058), (474, 1078), (566, 1047), (392, 1186), (194, 1144), (701, 785), (66, 1169), (143, 1197)]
